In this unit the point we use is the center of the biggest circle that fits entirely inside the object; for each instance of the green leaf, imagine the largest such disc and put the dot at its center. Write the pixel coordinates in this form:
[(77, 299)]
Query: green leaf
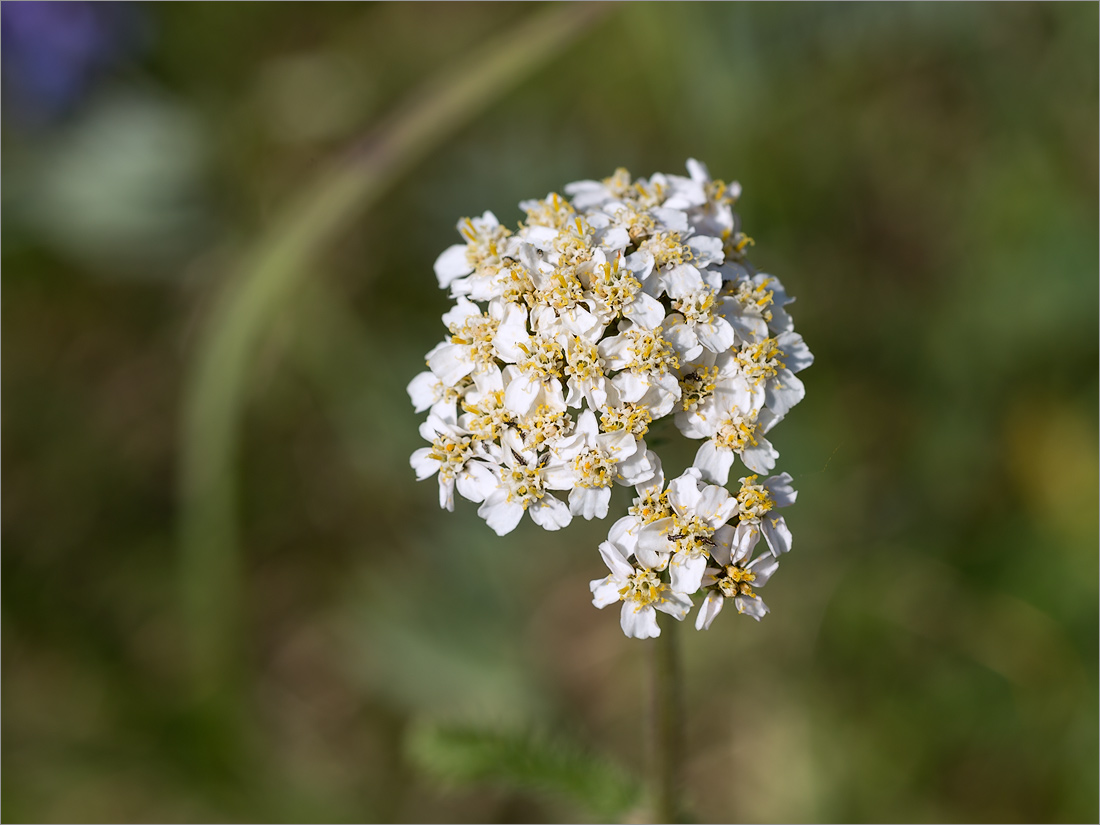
[(532, 761)]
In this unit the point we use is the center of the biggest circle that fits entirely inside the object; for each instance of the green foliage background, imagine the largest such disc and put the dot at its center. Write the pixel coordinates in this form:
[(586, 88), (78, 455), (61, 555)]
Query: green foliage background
[(922, 177)]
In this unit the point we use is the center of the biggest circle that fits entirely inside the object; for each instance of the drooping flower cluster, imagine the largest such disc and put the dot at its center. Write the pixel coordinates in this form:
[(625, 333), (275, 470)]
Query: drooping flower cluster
[(628, 303)]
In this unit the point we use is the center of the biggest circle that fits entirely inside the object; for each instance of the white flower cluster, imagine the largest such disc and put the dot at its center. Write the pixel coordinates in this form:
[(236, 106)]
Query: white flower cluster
[(570, 337)]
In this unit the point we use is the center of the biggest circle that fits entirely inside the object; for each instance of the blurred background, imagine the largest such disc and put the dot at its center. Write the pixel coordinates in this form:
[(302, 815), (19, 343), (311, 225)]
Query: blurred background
[(269, 619)]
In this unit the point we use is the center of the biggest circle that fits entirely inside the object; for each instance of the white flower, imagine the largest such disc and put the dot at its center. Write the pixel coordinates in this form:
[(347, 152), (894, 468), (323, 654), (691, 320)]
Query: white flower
[(538, 363), (558, 300), (733, 579), (552, 212), (589, 462), (736, 431), (591, 194), (486, 244), (510, 280), (544, 425), (650, 505), (686, 534), (428, 391), (484, 415), (585, 368), (453, 455), (607, 234), (662, 251), (647, 360), (472, 348), (755, 507), (518, 485), (641, 591), (708, 386), (754, 304), (574, 335), (768, 366), (710, 210), (613, 290), (695, 324), (632, 416)]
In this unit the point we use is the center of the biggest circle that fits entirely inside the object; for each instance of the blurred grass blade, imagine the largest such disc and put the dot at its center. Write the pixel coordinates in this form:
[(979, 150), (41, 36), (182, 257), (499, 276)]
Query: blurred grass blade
[(217, 385), (523, 761)]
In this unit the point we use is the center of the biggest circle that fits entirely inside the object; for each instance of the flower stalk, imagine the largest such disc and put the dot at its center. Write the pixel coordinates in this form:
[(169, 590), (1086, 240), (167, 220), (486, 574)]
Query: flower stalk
[(667, 711), (268, 278)]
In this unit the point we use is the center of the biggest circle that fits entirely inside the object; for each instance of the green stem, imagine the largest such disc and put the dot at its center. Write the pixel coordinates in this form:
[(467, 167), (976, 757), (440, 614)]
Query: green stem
[(667, 722), (262, 287)]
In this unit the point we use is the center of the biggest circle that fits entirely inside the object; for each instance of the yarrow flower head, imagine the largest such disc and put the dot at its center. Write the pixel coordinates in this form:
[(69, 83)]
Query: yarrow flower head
[(621, 305)]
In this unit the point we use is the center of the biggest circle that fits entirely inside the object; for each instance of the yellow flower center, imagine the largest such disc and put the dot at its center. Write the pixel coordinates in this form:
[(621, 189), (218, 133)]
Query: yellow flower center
[(451, 453), (613, 287), (734, 246), (619, 182), (717, 192), (542, 358), (736, 581), (633, 418), (524, 484), (594, 468), (477, 332), (543, 424), (562, 290), (638, 225), (643, 587), (652, 353), (691, 536), (753, 500), (697, 386), (584, 362), (697, 308), (574, 243), (516, 284), (754, 298), (736, 432), (554, 212), (650, 507), (666, 249), (488, 418), (482, 244), (760, 361)]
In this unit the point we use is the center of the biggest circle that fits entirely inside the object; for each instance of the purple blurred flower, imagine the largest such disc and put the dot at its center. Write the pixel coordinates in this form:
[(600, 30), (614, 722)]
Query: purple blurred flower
[(54, 51)]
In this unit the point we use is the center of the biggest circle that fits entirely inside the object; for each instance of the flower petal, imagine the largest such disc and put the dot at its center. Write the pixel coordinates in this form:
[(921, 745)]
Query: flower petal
[(776, 534), (722, 538), (711, 607), (476, 481), (764, 568), (714, 462), (423, 464), (499, 513), (780, 489), (615, 561), (686, 572), (783, 392), (760, 458), (754, 606), (452, 264), (797, 355), (589, 502), (744, 539), (451, 363), (550, 513), (675, 604), (653, 537), (639, 622), (605, 591)]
